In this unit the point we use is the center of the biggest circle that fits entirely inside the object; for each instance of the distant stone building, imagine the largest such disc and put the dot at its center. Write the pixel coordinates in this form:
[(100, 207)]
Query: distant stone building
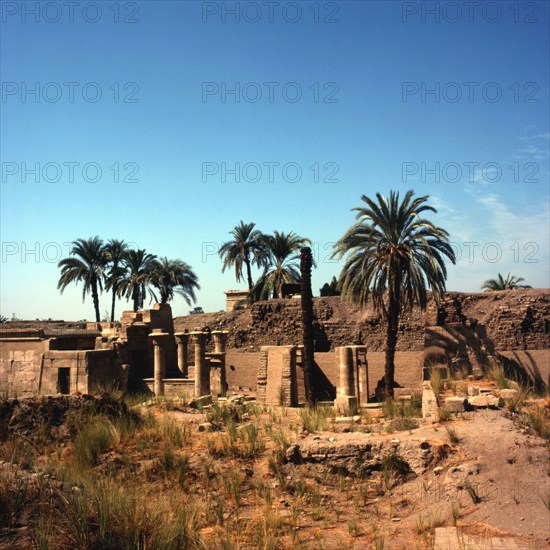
[(236, 299)]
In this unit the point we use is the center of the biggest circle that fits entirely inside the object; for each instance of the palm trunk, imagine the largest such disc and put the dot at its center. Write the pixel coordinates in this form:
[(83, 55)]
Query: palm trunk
[(308, 355), (135, 298), (391, 342), (248, 272), (95, 299), (113, 306)]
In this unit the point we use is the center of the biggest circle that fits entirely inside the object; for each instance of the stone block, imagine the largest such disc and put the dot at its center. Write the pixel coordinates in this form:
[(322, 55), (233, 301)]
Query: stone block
[(487, 400), (398, 393), (473, 390), (454, 404), (200, 402), (346, 404)]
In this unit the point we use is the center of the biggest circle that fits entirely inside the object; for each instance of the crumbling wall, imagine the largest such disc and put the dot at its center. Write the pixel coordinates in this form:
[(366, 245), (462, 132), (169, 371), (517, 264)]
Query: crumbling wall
[(514, 320)]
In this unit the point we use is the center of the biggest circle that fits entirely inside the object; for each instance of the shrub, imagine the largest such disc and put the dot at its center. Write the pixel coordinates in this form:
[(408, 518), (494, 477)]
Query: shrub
[(453, 435), (315, 419), (92, 442), (436, 381), (497, 373), (13, 494)]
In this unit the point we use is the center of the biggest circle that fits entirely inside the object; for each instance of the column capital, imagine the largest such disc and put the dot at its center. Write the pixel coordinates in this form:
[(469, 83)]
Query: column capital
[(158, 338), (198, 335), (182, 337)]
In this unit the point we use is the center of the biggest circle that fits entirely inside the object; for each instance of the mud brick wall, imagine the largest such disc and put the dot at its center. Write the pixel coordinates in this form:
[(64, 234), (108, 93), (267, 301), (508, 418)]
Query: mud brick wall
[(515, 320)]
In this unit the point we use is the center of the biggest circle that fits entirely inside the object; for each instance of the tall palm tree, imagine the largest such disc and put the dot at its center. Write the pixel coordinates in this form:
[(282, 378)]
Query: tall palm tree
[(115, 251), (86, 265), (246, 247), (394, 255), (281, 263), (136, 276), (511, 282), (174, 277)]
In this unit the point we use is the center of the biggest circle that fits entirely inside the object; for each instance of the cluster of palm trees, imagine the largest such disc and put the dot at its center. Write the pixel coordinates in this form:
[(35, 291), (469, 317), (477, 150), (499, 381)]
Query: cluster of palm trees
[(125, 272), (393, 256), (277, 255)]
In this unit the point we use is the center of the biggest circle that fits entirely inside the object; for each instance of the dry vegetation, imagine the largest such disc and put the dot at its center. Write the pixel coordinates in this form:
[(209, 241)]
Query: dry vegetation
[(142, 476)]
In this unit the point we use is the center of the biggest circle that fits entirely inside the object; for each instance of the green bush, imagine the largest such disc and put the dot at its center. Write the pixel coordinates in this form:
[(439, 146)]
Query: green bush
[(92, 442)]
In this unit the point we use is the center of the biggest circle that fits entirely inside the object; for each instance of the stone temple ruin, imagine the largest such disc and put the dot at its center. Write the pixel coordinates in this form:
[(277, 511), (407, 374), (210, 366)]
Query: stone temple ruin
[(150, 352), (142, 354)]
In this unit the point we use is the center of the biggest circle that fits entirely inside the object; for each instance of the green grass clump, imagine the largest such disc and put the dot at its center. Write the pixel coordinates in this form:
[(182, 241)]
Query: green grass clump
[(536, 417), (92, 442), (104, 514), (403, 408), (436, 380), (497, 373), (316, 419)]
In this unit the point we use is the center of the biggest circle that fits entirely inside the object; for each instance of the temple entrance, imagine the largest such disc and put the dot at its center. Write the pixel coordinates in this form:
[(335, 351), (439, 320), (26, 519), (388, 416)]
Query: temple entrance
[(64, 380)]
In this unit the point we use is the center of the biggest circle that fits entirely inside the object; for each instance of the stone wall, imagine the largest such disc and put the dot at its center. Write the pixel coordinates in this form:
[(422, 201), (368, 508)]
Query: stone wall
[(514, 320), (20, 366)]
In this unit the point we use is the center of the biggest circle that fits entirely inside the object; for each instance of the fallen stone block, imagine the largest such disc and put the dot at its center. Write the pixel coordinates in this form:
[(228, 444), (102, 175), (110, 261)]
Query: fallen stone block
[(454, 404), (362, 454), (200, 402), (486, 400), (398, 393), (473, 390)]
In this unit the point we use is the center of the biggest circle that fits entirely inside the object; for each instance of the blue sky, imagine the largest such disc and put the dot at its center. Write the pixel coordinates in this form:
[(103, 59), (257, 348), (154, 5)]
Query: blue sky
[(382, 95)]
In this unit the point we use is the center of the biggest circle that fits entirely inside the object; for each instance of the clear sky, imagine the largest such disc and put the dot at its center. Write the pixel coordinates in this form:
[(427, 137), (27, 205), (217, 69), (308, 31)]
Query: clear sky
[(137, 113)]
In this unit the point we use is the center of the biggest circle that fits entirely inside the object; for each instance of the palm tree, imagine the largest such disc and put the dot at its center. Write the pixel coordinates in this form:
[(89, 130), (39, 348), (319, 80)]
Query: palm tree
[(86, 264), (511, 282), (393, 256), (136, 276), (115, 251), (175, 277), (246, 248), (280, 264)]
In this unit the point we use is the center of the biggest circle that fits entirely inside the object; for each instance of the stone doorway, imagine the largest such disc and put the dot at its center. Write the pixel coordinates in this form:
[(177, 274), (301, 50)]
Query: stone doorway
[(64, 381)]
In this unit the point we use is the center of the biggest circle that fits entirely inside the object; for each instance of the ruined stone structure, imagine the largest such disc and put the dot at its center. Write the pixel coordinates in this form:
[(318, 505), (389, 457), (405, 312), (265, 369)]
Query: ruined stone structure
[(353, 387), (277, 377), (236, 299), (236, 351), (467, 331), (143, 354), (31, 363)]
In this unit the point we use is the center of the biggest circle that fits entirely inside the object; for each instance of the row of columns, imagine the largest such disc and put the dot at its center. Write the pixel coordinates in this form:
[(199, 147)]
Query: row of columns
[(202, 364)]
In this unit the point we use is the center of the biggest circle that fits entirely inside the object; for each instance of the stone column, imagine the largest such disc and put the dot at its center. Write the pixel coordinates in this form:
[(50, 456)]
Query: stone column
[(347, 378), (346, 399), (220, 337), (362, 375), (220, 378), (159, 341), (182, 339), (202, 367)]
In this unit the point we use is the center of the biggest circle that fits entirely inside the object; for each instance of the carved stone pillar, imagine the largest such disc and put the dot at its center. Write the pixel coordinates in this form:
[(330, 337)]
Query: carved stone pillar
[(202, 366), (159, 341), (182, 339), (346, 398), (220, 338)]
